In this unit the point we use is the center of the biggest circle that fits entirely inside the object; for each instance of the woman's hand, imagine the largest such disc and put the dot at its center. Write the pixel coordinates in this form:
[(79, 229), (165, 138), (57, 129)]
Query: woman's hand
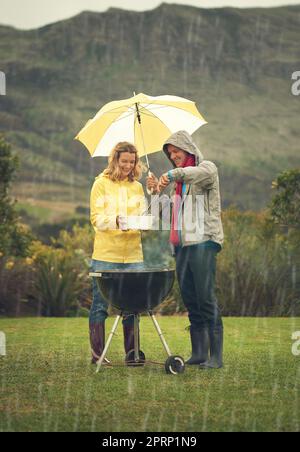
[(122, 223), (152, 182), (164, 181)]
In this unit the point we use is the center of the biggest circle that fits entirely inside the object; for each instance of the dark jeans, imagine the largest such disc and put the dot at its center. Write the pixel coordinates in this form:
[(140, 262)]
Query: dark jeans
[(196, 272)]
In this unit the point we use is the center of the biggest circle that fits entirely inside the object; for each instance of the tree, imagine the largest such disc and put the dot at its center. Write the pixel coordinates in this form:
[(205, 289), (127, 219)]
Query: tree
[(285, 205), (14, 239)]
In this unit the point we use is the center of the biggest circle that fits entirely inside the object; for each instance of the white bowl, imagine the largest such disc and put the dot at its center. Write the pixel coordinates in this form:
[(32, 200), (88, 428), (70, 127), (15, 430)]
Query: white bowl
[(142, 222)]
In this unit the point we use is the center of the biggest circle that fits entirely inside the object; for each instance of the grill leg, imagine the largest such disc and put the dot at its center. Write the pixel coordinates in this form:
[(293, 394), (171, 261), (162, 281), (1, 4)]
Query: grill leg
[(159, 332), (111, 334), (136, 338)]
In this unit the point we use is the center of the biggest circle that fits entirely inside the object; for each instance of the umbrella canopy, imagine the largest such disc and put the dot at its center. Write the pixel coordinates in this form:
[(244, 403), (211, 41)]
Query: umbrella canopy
[(145, 121)]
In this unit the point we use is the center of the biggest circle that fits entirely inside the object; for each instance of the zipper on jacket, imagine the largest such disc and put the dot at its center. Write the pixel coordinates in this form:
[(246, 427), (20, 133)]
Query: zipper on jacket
[(208, 202)]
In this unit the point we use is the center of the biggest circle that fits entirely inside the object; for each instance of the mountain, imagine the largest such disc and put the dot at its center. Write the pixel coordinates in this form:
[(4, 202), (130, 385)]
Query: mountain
[(236, 64)]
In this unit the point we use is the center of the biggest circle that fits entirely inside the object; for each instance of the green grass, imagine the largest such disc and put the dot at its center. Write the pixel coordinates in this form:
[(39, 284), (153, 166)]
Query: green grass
[(48, 384)]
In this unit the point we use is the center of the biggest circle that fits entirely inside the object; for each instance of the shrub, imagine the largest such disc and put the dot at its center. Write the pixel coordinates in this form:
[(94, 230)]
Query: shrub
[(62, 286), (57, 286), (258, 267), (14, 237), (16, 282)]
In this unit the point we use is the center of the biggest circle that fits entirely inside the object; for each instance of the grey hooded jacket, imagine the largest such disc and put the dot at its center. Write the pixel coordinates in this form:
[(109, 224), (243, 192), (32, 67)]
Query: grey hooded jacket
[(201, 203)]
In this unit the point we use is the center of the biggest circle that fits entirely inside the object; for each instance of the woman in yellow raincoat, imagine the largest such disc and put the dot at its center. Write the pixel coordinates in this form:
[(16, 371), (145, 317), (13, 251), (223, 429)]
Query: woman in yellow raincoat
[(116, 194)]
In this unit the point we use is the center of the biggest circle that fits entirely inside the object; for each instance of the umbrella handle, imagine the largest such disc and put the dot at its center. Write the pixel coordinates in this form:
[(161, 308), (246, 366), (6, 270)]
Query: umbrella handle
[(150, 192)]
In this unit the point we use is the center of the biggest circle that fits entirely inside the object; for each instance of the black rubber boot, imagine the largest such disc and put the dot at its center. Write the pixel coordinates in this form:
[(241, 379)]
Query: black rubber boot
[(97, 340), (216, 350), (128, 331), (200, 344)]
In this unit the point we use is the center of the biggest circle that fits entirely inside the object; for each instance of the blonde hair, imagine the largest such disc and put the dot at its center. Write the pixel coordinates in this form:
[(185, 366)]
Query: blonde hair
[(113, 170)]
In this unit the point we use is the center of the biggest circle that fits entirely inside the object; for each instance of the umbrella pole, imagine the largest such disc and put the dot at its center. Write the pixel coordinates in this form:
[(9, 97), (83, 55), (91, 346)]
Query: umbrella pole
[(146, 155), (141, 129), (150, 192)]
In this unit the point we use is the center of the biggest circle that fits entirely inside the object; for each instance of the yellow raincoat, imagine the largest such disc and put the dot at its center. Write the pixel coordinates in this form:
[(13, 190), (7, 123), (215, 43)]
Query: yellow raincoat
[(108, 200)]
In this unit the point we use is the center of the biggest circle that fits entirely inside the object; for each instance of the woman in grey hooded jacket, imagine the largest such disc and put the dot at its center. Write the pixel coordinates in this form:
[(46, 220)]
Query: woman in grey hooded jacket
[(197, 237)]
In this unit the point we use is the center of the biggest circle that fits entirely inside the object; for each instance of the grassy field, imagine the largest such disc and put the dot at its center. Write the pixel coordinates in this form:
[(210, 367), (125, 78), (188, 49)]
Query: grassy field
[(48, 384)]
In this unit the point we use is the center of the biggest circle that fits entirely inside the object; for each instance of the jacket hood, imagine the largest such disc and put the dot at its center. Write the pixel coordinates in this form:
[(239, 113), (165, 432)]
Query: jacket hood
[(100, 175), (184, 141), (106, 176)]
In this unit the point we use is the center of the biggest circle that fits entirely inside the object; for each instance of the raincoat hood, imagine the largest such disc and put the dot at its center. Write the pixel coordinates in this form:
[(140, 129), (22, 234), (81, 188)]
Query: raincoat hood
[(184, 141), (106, 176)]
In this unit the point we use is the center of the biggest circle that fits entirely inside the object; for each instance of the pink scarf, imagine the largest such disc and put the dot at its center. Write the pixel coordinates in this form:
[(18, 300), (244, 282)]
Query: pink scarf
[(174, 236)]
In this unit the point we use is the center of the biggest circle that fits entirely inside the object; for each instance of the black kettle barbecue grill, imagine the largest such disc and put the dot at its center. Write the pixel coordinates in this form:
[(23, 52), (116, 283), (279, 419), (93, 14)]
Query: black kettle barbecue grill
[(134, 292)]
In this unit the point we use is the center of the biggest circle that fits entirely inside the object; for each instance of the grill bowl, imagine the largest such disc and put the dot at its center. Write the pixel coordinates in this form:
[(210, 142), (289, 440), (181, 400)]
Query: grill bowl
[(135, 291)]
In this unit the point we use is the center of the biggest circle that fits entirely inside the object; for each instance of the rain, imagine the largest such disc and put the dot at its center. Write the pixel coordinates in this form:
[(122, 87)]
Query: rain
[(236, 65)]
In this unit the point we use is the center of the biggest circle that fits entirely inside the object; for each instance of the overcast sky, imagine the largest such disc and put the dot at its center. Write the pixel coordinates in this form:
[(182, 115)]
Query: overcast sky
[(28, 14)]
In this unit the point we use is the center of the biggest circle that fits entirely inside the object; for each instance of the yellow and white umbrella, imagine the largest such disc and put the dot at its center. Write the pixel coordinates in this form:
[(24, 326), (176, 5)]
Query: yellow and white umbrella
[(145, 121)]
